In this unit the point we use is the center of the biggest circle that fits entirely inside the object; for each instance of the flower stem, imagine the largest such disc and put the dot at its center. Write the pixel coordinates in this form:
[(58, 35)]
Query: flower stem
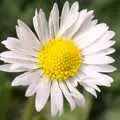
[(27, 115)]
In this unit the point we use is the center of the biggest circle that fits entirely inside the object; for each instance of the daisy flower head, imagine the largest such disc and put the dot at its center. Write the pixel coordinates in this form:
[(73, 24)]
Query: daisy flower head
[(71, 48)]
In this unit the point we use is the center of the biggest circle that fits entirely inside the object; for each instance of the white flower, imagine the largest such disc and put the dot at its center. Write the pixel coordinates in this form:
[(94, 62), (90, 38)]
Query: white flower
[(67, 50)]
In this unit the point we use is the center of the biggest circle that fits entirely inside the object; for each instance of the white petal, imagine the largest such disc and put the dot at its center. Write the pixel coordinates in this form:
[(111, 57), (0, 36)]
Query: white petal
[(67, 95), (86, 83), (44, 24), (22, 60), (15, 67), (73, 82), (95, 87), (42, 94), (22, 63), (12, 43), (27, 36), (107, 51), (37, 27), (56, 99), (65, 12), (98, 59), (99, 68), (15, 45), (90, 86), (22, 79), (17, 55), (79, 98), (87, 25), (71, 18), (54, 21), (102, 43), (41, 26), (7, 68), (98, 78), (83, 15), (74, 7), (91, 35), (32, 88), (91, 90), (80, 76)]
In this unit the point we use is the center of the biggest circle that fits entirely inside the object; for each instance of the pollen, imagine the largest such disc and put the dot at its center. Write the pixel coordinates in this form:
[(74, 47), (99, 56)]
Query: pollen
[(59, 59)]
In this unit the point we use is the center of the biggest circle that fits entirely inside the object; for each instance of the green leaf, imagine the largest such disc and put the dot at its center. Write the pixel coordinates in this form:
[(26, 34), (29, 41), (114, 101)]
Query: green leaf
[(4, 96)]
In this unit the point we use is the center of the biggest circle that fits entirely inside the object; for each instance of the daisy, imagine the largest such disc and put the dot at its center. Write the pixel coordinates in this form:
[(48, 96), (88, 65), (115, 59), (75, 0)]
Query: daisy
[(68, 50)]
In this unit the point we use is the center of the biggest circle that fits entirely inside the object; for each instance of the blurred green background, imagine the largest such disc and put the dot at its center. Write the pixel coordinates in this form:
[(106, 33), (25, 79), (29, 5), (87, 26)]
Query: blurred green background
[(13, 104)]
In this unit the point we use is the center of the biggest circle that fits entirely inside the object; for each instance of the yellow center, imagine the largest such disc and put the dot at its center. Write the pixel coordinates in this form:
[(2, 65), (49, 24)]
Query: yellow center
[(59, 59)]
